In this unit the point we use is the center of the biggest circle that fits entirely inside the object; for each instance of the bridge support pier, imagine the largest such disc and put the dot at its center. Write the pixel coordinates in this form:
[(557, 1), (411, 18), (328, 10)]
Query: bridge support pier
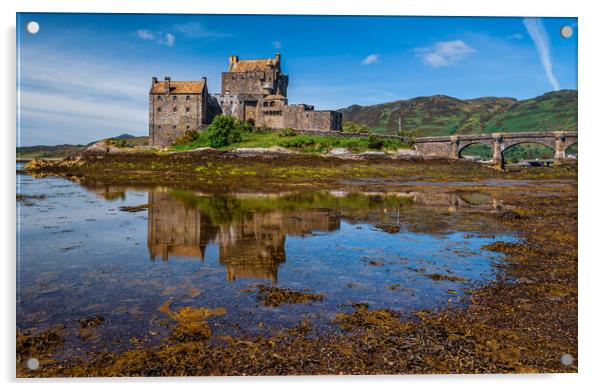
[(497, 148), (454, 148), (560, 149)]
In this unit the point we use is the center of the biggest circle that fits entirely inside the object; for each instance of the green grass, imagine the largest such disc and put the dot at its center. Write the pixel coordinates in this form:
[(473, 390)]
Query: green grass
[(299, 143)]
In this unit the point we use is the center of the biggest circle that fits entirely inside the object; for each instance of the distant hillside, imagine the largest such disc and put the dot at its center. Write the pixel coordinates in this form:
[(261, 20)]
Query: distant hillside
[(64, 150), (443, 115)]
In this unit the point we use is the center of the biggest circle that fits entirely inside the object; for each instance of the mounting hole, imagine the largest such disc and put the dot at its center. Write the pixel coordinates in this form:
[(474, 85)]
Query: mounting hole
[(33, 364), (566, 359), (566, 31), (33, 27)]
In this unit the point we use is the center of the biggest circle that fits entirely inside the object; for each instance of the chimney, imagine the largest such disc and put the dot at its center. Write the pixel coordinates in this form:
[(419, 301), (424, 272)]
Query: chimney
[(205, 81), (277, 58), (154, 80), (233, 59), (167, 84)]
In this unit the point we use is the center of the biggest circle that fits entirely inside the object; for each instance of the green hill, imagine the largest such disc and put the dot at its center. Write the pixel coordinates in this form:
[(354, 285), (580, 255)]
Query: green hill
[(441, 115), (64, 150)]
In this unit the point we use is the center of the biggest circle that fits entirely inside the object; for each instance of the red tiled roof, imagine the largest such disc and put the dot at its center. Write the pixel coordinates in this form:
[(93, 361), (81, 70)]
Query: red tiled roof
[(179, 87), (251, 65)]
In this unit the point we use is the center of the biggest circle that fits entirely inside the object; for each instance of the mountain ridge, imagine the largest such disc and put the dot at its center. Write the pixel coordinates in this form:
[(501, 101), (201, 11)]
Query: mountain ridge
[(441, 115)]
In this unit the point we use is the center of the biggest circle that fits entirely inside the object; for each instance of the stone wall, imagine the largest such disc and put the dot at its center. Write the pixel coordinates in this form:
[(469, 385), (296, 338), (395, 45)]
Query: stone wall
[(171, 115), (304, 117)]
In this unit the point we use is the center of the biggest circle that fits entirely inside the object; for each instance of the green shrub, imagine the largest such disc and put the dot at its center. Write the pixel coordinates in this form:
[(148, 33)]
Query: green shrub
[(244, 126), (375, 142), (116, 142), (288, 132), (188, 137), (355, 127), (223, 131)]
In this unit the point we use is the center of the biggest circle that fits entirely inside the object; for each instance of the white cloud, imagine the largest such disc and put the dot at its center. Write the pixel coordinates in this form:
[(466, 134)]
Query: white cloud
[(198, 30), (538, 34), (167, 39), (170, 39), (145, 34), (277, 44), (371, 59), (517, 36), (444, 53)]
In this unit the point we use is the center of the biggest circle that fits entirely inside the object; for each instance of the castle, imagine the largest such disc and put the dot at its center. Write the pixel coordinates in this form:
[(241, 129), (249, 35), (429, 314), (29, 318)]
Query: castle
[(252, 90)]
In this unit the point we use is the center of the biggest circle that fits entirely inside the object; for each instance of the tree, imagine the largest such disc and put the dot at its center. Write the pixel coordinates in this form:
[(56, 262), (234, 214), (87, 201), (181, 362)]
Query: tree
[(224, 130)]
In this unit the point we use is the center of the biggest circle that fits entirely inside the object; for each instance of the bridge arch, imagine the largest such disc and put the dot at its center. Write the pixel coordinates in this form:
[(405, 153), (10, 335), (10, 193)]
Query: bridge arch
[(571, 149), (529, 153), (507, 144), (476, 148)]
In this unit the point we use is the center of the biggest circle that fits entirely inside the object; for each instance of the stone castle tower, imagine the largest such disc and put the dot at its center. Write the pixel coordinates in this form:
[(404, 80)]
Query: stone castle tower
[(252, 90)]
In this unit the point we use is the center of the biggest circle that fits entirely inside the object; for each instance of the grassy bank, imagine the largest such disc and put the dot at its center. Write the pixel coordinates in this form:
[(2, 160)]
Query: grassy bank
[(296, 142)]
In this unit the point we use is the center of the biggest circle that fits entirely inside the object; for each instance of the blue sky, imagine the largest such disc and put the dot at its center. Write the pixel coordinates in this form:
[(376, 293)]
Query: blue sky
[(84, 77)]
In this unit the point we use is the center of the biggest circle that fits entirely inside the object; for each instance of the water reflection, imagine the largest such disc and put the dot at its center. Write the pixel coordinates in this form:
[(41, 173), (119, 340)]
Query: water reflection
[(251, 235), (82, 254)]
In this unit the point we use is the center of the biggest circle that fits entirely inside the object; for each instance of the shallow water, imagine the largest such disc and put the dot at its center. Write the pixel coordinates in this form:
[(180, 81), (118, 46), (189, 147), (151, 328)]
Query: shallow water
[(80, 256)]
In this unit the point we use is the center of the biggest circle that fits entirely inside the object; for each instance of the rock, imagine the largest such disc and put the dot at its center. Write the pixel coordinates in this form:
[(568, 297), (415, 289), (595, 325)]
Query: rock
[(97, 149), (261, 152), (407, 153), (338, 152), (372, 155), (205, 151), (510, 215)]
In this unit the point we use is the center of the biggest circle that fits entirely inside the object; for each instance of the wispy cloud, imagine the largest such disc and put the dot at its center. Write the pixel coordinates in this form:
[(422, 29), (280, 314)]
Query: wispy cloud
[(371, 59), (517, 36), (277, 45), (145, 34), (538, 34), (77, 100), (198, 30), (167, 39), (444, 53)]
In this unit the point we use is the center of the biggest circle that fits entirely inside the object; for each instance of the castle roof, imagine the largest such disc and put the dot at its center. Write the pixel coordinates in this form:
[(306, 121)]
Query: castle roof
[(179, 87), (275, 97), (251, 65)]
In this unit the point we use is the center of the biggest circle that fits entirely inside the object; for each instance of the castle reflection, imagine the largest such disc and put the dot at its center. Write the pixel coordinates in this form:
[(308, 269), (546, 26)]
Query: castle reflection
[(250, 246)]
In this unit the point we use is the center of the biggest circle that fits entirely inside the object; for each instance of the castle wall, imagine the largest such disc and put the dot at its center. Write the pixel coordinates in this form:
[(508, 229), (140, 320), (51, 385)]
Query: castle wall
[(171, 115), (246, 83), (304, 117)]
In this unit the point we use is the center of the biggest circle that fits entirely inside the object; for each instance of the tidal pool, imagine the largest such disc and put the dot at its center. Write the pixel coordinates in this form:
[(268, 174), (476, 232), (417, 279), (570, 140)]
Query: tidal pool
[(106, 263)]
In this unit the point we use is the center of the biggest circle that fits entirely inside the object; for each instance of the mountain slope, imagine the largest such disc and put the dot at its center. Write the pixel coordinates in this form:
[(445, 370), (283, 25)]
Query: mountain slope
[(440, 115)]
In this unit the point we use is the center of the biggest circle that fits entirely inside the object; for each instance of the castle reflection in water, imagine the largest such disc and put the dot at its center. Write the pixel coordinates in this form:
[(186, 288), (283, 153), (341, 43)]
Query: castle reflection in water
[(252, 246), (251, 241)]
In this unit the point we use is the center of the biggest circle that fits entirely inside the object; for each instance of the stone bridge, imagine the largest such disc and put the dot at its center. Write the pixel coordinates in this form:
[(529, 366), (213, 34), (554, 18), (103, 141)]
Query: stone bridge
[(450, 147)]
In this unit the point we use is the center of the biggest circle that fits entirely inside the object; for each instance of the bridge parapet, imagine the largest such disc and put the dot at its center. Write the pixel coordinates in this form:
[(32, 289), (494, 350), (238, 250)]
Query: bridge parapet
[(450, 147)]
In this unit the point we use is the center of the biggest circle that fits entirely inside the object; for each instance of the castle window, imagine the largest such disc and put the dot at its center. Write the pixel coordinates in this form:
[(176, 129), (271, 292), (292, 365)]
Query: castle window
[(188, 109), (175, 109), (187, 98), (272, 103), (187, 127), (265, 104), (159, 127), (158, 109), (174, 97), (174, 127), (159, 97)]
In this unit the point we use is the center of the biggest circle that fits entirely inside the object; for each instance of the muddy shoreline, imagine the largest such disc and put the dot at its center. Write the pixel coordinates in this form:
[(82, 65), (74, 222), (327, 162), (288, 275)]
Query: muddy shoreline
[(523, 322)]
